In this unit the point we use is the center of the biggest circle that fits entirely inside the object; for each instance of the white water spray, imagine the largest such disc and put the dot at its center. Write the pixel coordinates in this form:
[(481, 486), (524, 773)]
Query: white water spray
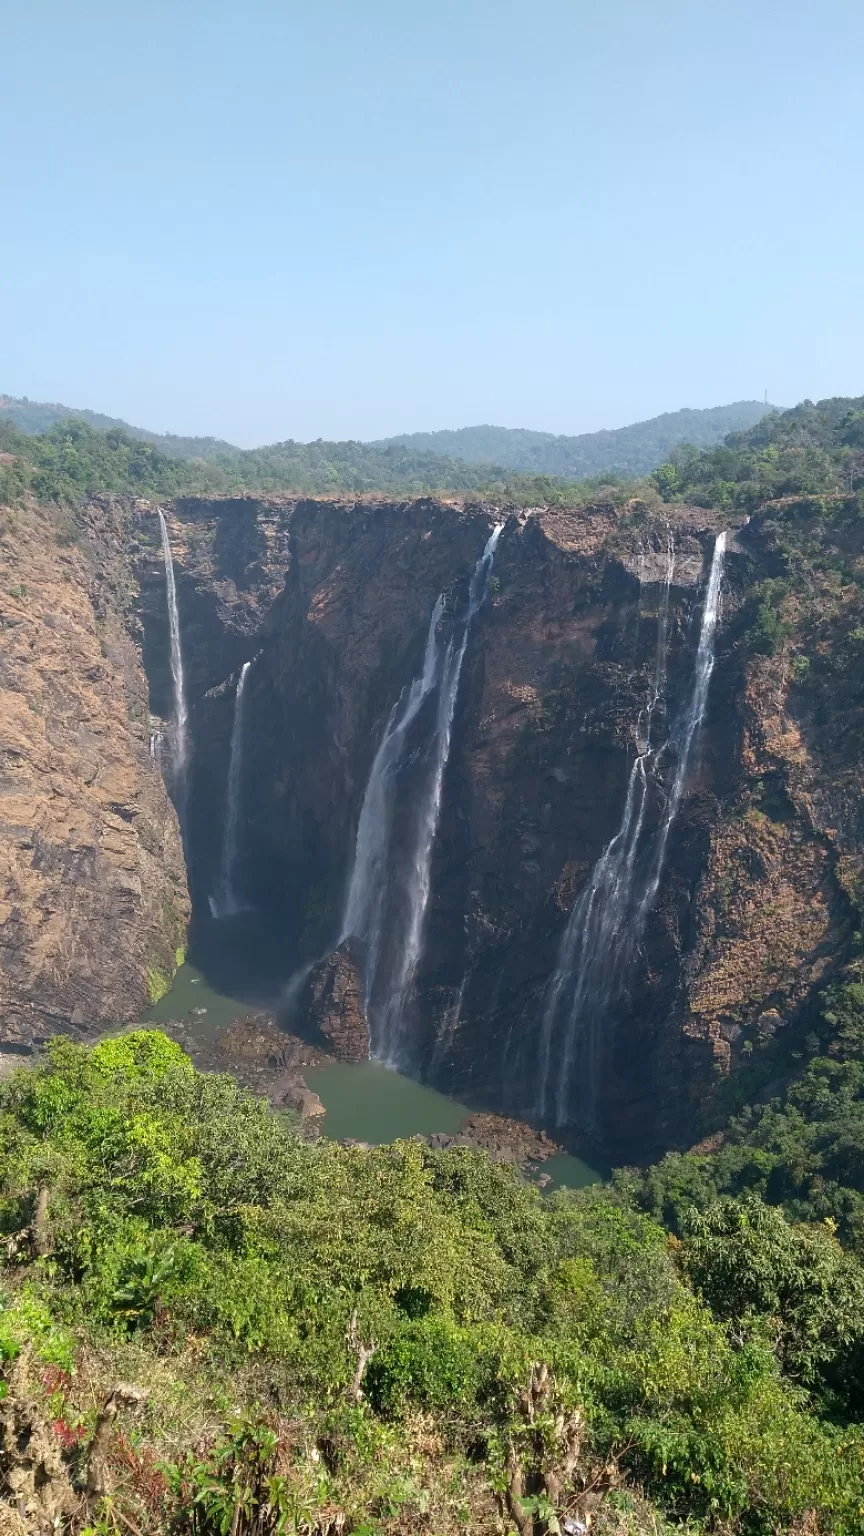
[(366, 903), (685, 733), (180, 753), (606, 923), (227, 903), (429, 810), (367, 887)]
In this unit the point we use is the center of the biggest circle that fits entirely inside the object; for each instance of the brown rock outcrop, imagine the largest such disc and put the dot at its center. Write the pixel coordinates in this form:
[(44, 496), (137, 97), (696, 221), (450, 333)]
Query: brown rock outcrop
[(93, 900), (331, 1003), (293, 1094), (35, 1484)]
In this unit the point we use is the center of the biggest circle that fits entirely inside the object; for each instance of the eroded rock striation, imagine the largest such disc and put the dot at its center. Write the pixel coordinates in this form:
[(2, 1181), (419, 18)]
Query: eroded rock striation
[(93, 898)]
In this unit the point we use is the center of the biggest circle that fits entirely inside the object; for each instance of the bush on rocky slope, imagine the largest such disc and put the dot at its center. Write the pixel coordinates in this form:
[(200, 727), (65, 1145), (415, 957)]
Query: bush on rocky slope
[(211, 1325)]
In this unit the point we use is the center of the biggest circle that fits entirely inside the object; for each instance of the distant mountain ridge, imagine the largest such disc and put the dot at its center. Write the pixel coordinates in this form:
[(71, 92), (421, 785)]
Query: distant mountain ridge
[(35, 417), (627, 451), (632, 450)]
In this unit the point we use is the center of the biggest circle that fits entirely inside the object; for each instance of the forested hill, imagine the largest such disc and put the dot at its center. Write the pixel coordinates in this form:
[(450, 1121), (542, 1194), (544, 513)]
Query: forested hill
[(37, 416), (633, 450), (811, 450), (72, 460)]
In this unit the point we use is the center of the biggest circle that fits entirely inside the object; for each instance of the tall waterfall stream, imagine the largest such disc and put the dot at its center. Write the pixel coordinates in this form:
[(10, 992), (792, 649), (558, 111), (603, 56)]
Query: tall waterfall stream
[(180, 742), (390, 968), (606, 923)]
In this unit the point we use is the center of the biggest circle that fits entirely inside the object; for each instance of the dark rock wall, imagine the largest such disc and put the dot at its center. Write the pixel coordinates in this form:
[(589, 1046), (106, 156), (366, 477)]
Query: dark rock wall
[(333, 600)]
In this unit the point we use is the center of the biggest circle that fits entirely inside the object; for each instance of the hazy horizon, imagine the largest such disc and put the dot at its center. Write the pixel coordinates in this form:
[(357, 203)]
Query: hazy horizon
[(465, 426), (276, 221)]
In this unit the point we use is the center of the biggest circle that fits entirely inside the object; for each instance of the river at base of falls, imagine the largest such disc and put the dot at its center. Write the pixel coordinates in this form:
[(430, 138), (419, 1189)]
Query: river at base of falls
[(238, 970)]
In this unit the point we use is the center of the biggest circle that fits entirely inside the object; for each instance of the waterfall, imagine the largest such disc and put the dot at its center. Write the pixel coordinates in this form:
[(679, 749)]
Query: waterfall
[(366, 890), (378, 866), (685, 733), (658, 685), (226, 903), (429, 809), (180, 744), (607, 921)]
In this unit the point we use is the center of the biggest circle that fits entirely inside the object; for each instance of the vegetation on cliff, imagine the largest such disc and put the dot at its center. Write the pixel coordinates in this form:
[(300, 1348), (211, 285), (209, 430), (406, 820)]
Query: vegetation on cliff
[(796, 1094), (803, 1149), (213, 1325), (811, 450)]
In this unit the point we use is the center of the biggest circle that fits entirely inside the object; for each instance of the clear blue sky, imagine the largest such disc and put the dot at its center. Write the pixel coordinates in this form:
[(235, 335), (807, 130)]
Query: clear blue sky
[(347, 218)]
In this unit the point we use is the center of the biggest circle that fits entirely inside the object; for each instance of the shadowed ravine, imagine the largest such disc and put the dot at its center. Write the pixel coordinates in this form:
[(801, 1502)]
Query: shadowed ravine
[(485, 819)]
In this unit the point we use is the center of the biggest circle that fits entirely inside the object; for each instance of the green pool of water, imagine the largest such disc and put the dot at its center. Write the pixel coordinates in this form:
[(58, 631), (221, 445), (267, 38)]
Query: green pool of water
[(372, 1103), (194, 1002), (364, 1101), (568, 1172)]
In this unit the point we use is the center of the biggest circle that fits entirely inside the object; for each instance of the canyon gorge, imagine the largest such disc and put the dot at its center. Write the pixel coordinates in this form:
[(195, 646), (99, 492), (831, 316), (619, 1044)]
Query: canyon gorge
[(530, 814)]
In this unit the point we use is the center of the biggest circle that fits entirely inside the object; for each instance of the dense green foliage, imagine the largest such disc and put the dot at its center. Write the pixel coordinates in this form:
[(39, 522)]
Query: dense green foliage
[(37, 416), (626, 451), (811, 450), (71, 460), (184, 1227), (803, 1149), (633, 450)]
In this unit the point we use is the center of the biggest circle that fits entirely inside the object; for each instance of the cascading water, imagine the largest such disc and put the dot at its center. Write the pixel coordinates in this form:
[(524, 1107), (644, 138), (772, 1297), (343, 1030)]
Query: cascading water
[(180, 743), (364, 902), (375, 878), (429, 809), (685, 733), (607, 921), (226, 903)]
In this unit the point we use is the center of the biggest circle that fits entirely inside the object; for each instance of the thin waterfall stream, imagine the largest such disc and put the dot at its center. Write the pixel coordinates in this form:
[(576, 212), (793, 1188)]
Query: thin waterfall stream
[(180, 743), (607, 921), (226, 903), (392, 956)]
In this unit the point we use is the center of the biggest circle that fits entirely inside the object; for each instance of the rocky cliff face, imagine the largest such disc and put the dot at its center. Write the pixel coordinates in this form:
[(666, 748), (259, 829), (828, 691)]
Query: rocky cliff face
[(330, 602), (93, 902)]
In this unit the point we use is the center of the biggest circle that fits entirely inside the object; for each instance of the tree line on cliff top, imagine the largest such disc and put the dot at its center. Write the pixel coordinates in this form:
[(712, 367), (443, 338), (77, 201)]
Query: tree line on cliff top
[(812, 449)]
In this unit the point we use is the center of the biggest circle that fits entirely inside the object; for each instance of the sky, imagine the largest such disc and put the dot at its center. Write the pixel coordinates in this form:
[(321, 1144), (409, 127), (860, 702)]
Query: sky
[(270, 219)]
